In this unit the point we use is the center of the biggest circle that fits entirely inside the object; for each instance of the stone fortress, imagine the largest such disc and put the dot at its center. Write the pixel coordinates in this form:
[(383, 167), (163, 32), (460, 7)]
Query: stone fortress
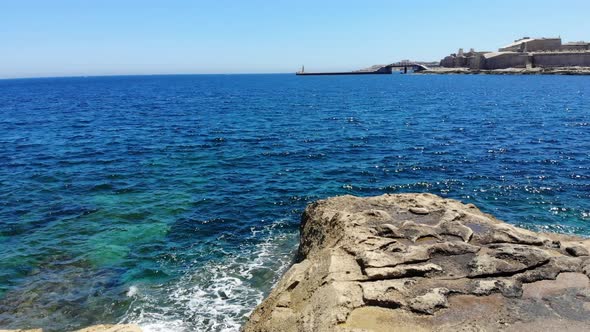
[(524, 53)]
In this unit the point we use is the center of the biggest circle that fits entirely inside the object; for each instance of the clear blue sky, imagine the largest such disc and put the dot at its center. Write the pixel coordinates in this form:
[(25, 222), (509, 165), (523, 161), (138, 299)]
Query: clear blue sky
[(105, 37)]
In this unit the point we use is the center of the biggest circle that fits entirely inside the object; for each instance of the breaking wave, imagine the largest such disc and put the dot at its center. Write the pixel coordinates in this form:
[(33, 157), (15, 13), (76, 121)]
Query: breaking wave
[(219, 295)]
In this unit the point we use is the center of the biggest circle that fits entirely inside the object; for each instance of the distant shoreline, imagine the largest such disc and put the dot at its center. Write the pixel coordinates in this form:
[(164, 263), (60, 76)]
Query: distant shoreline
[(510, 71)]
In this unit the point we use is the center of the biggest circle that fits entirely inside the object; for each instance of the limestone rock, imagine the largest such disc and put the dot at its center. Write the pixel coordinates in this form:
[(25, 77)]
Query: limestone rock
[(429, 302), (402, 271), (418, 262), (507, 259), (577, 251), (419, 210)]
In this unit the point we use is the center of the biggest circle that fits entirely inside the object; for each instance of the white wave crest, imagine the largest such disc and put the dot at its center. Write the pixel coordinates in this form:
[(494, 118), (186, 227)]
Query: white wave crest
[(217, 296)]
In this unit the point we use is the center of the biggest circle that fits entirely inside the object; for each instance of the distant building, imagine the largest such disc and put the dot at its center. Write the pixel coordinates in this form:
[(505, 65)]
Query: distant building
[(524, 52), (579, 45), (527, 44), (469, 59)]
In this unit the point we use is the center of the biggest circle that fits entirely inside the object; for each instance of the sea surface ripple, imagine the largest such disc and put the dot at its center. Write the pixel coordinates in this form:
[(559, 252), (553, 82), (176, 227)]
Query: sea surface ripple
[(174, 201)]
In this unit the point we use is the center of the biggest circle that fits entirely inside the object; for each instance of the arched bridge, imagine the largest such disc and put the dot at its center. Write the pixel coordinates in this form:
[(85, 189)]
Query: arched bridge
[(377, 69), (407, 64)]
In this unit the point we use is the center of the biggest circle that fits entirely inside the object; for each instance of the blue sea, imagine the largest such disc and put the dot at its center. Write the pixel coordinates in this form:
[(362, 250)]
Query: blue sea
[(174, 202)]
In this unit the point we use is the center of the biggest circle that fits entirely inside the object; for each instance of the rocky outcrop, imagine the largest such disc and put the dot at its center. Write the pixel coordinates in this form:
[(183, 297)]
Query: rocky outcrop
[(418, 262)]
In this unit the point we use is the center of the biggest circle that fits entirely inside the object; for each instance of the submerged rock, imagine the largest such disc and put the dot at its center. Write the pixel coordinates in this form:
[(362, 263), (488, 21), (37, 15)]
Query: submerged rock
[(420, 262)]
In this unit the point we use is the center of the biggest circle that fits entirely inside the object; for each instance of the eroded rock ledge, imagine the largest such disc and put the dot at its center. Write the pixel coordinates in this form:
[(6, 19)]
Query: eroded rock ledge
[(418, 262)]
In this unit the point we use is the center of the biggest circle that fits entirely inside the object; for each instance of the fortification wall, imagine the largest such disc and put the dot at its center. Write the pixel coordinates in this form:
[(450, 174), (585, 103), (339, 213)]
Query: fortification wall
[(476, 61), (508, 60), (472, 62), (562, 59), (543, 44), (576, 47), (460, 61), (447, 61)]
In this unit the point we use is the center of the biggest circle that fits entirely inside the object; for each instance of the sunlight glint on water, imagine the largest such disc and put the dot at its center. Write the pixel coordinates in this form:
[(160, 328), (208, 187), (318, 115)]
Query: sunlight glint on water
[(174, 201)]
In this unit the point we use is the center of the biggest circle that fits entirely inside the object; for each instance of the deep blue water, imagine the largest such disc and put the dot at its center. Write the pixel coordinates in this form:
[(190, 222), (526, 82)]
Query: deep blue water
[(174, 201)]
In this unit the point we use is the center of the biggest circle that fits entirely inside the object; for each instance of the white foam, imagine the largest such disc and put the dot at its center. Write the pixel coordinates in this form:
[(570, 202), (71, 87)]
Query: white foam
[(217, 296), (132, 291)]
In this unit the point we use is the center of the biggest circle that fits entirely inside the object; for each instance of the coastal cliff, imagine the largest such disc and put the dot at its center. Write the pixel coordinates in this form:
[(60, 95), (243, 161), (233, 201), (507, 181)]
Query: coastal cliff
[(418, 262)]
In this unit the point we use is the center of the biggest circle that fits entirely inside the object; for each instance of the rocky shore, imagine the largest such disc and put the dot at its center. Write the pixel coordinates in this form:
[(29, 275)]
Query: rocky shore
[(511, 71), (418, 262)]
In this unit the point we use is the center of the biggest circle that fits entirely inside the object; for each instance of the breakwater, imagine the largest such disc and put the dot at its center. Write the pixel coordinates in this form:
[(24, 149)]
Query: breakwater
[(376, 70)]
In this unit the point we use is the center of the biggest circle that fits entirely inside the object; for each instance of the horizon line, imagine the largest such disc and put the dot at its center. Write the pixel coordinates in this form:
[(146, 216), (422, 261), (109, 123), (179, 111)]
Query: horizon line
[(130, 75)]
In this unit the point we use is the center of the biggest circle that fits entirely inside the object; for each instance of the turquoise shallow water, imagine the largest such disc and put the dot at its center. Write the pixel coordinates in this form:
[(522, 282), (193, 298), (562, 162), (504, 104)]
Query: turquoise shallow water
[(174, 201)]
